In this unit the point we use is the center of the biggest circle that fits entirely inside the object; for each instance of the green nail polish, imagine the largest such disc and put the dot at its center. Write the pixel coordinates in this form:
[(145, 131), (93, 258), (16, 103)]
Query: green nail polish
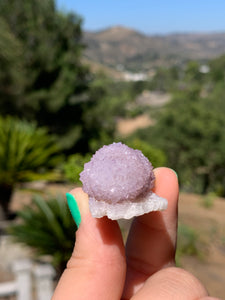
[(174, 172), (74, 209)]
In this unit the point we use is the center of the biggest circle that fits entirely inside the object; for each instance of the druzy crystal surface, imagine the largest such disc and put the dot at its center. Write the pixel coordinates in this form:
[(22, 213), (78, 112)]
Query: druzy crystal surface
[(118, 181)]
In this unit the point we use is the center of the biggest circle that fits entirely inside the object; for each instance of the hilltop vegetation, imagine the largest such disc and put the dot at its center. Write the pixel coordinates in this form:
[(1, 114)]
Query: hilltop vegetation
[(138, 52)]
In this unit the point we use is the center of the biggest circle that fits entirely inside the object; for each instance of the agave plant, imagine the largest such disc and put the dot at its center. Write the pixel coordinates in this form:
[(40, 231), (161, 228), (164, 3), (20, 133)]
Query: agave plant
[(26, 153), (47, 226)]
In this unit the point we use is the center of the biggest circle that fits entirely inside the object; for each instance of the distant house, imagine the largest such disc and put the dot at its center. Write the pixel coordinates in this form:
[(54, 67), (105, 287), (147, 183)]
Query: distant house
[(128, 76)]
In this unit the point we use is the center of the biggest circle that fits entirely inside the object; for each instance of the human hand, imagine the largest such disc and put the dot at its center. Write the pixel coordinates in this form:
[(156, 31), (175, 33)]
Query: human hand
[(102, 269)]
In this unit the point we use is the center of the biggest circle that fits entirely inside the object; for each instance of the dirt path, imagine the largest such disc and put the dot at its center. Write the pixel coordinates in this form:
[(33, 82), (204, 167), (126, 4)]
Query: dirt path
[(127, 126), (209, 224)]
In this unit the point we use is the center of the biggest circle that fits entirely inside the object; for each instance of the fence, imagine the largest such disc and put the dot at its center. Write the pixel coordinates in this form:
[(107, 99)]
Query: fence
[(29, 280)]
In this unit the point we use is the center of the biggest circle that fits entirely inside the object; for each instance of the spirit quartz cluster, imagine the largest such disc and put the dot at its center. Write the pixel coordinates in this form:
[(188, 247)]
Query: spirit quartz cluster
[(119, 182)]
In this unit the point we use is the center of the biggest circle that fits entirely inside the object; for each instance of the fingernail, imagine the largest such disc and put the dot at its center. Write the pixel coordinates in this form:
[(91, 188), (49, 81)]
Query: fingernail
[(74, 209), (174, 172)]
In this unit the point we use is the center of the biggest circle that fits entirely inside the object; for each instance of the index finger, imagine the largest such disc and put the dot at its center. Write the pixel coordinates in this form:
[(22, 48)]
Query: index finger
[(96, 269), (151, 241)]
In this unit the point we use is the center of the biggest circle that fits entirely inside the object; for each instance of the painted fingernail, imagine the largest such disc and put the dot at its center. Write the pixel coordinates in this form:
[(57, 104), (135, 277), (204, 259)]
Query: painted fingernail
[(174, 172), (74, 209)]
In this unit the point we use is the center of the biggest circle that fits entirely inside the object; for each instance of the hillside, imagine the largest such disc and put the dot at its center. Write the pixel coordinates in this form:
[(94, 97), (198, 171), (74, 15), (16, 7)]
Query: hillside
[(135, 51)]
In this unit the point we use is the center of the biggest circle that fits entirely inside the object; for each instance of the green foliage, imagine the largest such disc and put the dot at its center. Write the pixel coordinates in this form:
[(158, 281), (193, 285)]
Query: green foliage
[(217, 67), (26, 153), (155, 155), (219, 188), (109, 101), (43, 78), (47, 80), (47, 226), (74, 165), (164, 79), (25, 150), (190, 130), (207, 201), (192, 73), (12, 77), (187, 240), (189, 243), (53, 81)]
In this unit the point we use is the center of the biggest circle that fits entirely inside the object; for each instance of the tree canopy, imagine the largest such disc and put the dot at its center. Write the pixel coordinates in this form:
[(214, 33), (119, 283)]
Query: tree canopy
[(190, 131), (41, 53)]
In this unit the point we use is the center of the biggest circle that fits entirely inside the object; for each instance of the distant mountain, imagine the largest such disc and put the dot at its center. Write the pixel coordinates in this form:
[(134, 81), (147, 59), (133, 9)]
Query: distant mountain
[(120, 47)]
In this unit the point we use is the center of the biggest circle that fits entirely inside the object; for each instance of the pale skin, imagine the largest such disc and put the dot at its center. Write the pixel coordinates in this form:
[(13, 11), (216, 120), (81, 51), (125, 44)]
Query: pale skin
[(101, 268)]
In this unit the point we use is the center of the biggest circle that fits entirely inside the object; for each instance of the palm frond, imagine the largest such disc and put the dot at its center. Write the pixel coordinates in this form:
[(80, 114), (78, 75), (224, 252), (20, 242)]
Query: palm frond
[(47, 226), (24, 150)]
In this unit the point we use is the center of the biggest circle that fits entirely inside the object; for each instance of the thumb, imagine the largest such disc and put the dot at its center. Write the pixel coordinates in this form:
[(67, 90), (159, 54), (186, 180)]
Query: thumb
[(96, 269), (173, 283)]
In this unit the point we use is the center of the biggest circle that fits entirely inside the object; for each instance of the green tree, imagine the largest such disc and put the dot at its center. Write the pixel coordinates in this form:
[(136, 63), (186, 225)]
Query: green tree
[(26, 153), (192, 73), (191, 133), (56, 81), (164, 79), (58, 90), (108, 102), (217, 69), (12, 76)]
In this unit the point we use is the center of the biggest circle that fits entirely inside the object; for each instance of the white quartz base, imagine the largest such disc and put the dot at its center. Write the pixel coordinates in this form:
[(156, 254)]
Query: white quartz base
[(127, 209)]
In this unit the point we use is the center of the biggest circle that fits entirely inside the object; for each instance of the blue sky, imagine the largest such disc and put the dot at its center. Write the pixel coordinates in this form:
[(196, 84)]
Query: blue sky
[(148, 16)]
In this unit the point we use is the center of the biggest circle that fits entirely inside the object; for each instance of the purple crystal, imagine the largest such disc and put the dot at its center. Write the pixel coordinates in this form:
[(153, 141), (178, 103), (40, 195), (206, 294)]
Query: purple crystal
[(117, 173)]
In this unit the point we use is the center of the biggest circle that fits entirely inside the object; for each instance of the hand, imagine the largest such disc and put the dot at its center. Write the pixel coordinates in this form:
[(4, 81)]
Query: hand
[(101, 269)]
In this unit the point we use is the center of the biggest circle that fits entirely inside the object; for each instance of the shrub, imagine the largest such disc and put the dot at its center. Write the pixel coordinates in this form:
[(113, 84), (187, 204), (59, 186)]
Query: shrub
[(187, 240), (74, 166), (47, 226), (189, 243), (207, 201), (26, 153)]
